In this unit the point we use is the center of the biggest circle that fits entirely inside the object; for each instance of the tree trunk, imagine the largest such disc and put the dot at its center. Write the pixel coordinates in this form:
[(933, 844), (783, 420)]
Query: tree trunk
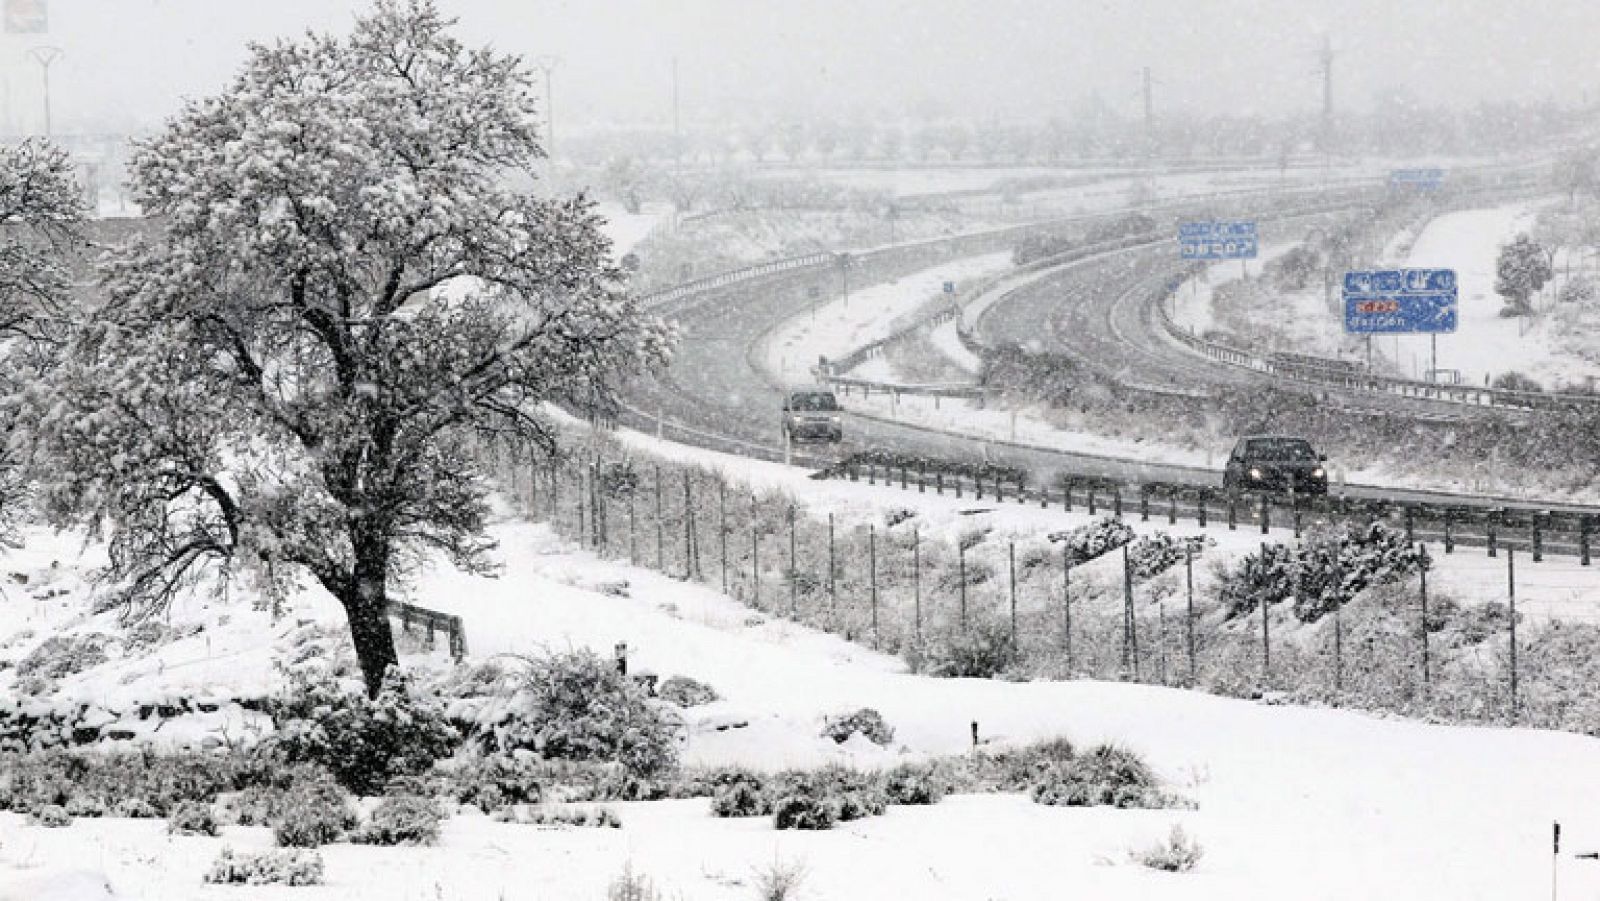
[(366, 608)]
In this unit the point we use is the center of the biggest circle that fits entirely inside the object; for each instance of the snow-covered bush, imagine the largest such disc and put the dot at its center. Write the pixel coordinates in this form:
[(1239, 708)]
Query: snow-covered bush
[(64, 655), (816, 799), (1262, 577), (134, 809), (1152, 555), (866, 722), (1015, 769), (915, 783), (686, 692), (1094, 540), (576, 706), (1516, 381), (50, 816), (581, 817), (86, 806), (191, 818), (740, 793), (363, 742), (1177, 854), (1336, 563), (1104, 775), (631, 886), (315, 812), (401, 821), (983, 650), (495, 780), (279, 866)]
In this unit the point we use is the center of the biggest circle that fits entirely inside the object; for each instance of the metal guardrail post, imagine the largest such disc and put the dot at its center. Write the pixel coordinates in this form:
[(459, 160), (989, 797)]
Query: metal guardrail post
[(1449, 532), (1200, 504), (1091, 498), (1266, 515), (1584, 526), (1172, 505), (1490, 521), (1536, 536), (1116, 501), (1144, 503)]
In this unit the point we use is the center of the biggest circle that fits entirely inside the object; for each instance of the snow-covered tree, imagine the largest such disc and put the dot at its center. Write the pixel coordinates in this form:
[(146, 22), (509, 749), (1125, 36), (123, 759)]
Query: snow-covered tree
[(1522, 269), (344, 303)]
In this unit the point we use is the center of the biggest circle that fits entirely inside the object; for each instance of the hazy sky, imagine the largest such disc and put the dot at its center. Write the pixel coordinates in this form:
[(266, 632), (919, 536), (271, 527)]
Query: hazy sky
[(127, 63)]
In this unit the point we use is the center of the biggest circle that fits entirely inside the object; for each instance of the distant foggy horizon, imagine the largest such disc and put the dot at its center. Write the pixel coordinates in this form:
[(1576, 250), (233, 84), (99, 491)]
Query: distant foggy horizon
[(128, 64)]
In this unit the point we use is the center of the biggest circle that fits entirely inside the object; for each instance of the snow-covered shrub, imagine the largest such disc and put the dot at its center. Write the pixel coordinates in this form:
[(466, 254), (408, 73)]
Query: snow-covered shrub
[(915, 783), (816, 799), (1094, 540), (401, 821), (495, 780), (191, 818), (581, 817), (50, 816), (363, 742), (740, 793), (686, 692), (984, 650), (64, 655), (779, 880), (1515, 381), (315, 813), (1339, 562), (134, 809), (1104, 775), (576, 706), (1178, 854), (85, 806), (1151, 555), (279, 866), (866, 722), (631, 886), (1262, 577), (1016, 769)]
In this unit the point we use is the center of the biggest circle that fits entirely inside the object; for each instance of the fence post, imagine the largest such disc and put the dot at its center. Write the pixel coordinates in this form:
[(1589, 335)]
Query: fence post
[(794, 572), (555, 493), (722, 529), (1188, 627), (916, 579), (633, 527), (872, 562), (1422, 572), (1511, 594), (661, 554), (1066, 605), (1011, 563), (691, 567), (580, 504), (1338, 646), (833, 596), (1266, 632), (755, 552), (961, 577), (1130, 626), (1161, 641)]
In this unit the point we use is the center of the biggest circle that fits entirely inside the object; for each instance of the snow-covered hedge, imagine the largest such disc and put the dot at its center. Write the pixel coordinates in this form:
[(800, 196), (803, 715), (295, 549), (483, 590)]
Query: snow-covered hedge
[(1094, 540), (275, 867), (402, 821), (866, 722)]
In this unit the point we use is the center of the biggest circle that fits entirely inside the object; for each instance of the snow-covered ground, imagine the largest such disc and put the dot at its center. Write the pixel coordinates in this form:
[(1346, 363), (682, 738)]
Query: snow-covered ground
[(838, 326), (1293, 803), (1484, 344)]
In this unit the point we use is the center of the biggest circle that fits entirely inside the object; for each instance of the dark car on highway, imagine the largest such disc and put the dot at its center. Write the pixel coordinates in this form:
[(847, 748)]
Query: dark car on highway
[(811, 414), (1275, 463)]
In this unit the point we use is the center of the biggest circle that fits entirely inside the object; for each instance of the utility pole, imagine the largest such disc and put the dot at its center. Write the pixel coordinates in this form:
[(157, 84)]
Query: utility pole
[(45, 56), (677, 129), (1149, 114), (1327, 95), (547, 64)]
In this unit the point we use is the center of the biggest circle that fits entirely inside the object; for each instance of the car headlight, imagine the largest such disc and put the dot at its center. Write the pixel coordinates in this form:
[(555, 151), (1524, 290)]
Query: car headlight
[(833, 419), (1317, 473), (1255, 473)]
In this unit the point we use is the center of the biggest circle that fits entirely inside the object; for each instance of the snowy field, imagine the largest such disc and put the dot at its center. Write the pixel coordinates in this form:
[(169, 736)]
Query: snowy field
[(1293, 803)]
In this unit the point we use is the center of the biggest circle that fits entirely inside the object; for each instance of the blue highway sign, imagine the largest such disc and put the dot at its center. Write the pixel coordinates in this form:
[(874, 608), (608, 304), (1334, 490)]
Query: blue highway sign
[(1400, 301), (1217, 240), (1416, 178)]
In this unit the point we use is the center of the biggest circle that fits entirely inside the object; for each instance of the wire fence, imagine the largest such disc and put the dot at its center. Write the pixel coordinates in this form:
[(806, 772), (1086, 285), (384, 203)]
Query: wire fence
[(979, 602)]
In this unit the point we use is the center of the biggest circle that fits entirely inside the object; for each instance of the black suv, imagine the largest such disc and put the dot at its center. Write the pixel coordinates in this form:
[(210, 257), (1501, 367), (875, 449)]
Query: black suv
[(811, 414), (1276, 463)]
